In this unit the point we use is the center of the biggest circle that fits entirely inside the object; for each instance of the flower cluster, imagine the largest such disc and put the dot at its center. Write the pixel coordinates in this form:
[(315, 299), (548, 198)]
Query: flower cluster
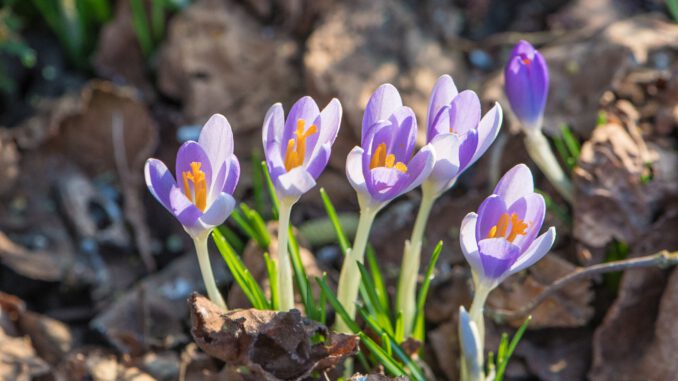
[(501, 239)]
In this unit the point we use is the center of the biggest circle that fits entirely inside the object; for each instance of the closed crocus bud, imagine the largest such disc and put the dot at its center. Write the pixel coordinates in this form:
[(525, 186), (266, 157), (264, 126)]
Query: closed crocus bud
[(526, 82)]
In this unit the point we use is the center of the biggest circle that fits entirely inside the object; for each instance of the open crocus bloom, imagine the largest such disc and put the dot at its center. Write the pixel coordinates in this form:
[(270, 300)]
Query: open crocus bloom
[(298, 149), (207, 173), (456, 131), (383, 167), (526, 82), (502, 238)]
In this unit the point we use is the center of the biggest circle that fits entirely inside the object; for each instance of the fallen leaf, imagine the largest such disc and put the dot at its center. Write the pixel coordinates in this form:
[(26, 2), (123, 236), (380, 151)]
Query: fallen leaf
[(273, 345)]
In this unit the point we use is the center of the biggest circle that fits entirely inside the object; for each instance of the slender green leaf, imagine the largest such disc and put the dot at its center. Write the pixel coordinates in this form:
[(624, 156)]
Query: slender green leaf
[(379, 285), (332, 214), (571, 141), (272, 271), (271, 190), (673, 8), (158, 8), (371, 295), (258, 184), (501, 366), (399, 327), (258, 225), (334, 302), (242, 276), (384, 359), (243, 224), (232, 238), (423, 293), (302, 278), (140, 25)]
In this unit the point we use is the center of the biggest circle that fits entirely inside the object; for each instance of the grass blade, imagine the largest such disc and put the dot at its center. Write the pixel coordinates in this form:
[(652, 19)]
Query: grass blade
[(379, 285), (140, 25), (380, 314), (423, 293), (332, 214), (501, 365), (271, 190), (272, 272)]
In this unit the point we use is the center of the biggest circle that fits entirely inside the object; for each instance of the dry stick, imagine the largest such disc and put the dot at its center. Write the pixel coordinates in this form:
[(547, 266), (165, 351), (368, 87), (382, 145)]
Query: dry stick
[(661, 259)]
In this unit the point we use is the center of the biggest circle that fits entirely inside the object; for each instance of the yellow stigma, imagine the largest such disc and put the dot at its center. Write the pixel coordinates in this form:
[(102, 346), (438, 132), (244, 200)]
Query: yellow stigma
[(381, 159), (296, 147), (198, 193), (518, 227)]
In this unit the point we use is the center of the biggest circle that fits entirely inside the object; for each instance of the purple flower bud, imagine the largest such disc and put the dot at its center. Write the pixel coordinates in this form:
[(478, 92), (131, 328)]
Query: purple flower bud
[(527, 84), (298, 149), (502, 238), (456, 131), (383, 167), (201, 197)]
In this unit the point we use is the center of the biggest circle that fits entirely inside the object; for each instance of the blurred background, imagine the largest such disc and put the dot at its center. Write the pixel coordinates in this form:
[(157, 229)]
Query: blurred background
[(94, 274)]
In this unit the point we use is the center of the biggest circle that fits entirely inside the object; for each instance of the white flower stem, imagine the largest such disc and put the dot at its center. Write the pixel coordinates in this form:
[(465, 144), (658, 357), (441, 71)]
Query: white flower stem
[(476, 314), (285, 287), (407, 283), (200, 242), (349, 279), (540, 151)]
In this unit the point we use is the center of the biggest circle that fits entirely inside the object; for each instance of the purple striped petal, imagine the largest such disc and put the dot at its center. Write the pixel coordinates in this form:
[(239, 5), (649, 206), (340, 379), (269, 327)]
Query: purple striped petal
[(464, 112), (537, 250), (383, 102), (159, 181), (184, 210), (488, 215), (354, 170), (497, 255), (446, 167), (488, 129), (294, 183), (232, 176), (305, 109), (443, 93), (516, 183), (216, 139), (469, 246), (531, 209), (218, 212)]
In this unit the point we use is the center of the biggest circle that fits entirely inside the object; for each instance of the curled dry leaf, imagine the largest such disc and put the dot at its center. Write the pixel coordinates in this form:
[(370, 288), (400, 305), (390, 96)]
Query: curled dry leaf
[(273, 345), (637, 339)]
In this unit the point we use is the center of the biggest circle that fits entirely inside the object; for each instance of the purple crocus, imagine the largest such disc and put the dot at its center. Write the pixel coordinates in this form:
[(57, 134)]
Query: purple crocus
[(457, 132), (207, 173), (502, 238), (298, 149), (527, 84), (383, 167)]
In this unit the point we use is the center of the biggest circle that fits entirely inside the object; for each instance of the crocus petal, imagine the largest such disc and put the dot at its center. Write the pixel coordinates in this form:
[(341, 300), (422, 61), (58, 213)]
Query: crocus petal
[(319, 161), (184, 210), (488, 129), (531, 209), (159, 181), (526, 84), (383, 102), (219, 211), (516, 183), (305, 109), (216, 139), (468, 146), (274, 122), (294, 183), (191, 152), (443, 93), (330, 120), (469, 246), (464, 112), (232, 176), (446, 166), (402, 140), (440, 125), (420, 167), (382, 182), (535, 252), (497, 255), (488, 215), (354, 170)]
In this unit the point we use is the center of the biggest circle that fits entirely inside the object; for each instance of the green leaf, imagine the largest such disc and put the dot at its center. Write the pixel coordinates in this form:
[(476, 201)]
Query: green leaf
[(258, 225), (423, 293), (332, 214), (258, 184), (501, 364), (272, 271), (379, 285), (374, 304), (242, 276), (571, 141), (673, 8), (302, 278), (140, 25), (271, 191), (232, 238), (334, 302)]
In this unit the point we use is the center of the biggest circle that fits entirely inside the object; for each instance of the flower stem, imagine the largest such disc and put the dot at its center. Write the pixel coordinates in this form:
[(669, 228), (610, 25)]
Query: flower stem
[(476, 314), (200, 242), (285, 288), (539, 150), (407, 284), (349, 279)]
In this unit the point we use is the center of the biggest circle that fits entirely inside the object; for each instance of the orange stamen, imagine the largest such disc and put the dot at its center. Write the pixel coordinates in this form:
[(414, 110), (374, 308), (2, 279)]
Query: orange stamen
[(518, 227), (197, 195), (381, 159), (296, 147)]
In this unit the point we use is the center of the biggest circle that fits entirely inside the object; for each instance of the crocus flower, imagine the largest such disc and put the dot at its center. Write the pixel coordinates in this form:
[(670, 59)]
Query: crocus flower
[(527, 84), (457, 132), (502, 238), (206, 175), (383, 167), (298, 149)]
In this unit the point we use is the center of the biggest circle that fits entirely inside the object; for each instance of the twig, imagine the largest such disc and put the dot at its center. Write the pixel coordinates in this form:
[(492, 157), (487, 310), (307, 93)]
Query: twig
[(661, 259), (132, 204)]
